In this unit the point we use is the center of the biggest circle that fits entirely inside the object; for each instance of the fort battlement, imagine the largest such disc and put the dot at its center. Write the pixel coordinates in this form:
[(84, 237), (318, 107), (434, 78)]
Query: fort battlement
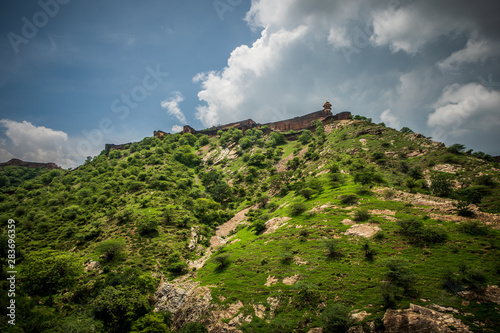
[(296, 124), (18, 162)]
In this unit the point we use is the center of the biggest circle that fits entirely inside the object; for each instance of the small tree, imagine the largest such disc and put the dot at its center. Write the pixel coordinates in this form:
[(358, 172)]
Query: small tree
[(111, 249), (441, 185), (399, 274), (297, 208), (307, 192)]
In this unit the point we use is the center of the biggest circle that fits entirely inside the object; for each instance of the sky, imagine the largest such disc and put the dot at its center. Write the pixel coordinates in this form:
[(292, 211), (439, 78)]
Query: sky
[(75, 75)]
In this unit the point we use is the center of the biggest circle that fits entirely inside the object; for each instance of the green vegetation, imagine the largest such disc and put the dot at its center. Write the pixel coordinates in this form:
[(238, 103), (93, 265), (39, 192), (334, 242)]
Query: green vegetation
[(145, 212)]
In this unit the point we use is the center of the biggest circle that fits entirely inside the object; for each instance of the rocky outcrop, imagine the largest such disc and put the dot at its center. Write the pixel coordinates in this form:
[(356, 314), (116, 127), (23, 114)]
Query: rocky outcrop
[(420, 319)]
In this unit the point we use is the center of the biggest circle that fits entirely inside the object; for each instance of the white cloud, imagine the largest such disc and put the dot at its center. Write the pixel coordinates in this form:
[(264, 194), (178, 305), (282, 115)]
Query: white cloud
[(389, 119), (172, 106), (475, 51), (407, 29), (177, 128), (234, 93), (34, 143), (462, 109)]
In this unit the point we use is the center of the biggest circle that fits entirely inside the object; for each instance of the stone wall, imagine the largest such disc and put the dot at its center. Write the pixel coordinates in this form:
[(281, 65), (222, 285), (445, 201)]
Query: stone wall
[(18, 162), (299, 123)]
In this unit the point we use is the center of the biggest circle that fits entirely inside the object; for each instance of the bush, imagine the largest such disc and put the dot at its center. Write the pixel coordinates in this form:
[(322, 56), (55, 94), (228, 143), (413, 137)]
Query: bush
[(259, 227), (307, 192), (399, 274), (178, 267), (361, 215), (388, 294), (332, 247), (147, 226), (193, 328), (348, 199), (297, 208), (335, 318), (222, 261), (111, 249), (415, 230), (473, 228), (441, 185)]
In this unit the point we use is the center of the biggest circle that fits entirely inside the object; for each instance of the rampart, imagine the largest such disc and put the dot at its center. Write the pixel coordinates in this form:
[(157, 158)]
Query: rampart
[(295, 124), (18, 162)]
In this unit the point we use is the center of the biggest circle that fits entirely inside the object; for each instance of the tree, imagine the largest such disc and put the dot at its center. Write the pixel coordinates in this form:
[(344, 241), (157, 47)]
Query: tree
[(406, 130), (111, 249), (45, 273), (147, 226), (336, 318), (456, 148), (305, 137), (441, 185), (151, 323), (399, 274), (118, 307), (307, 192)]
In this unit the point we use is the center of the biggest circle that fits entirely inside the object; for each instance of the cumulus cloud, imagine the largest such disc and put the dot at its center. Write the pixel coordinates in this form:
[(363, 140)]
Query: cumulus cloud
[(34, 143), (176, 128), (172, 106), (474, 51), (463, 109), (389, 119), (378, 60)]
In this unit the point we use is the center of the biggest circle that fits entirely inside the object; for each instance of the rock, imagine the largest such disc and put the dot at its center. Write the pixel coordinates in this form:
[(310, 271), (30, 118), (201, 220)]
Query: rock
[(260, 310), (421, 319), (363, 230), (194, 238), (316, 330), (270, 281), (359, 316), (275, 223), (291, 280), (93, 266), (274, 304), (348, 222), (490, 294)]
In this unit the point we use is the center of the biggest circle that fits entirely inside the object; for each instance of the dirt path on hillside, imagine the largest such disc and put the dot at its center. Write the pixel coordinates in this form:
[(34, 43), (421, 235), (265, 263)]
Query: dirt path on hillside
[(221, 232)]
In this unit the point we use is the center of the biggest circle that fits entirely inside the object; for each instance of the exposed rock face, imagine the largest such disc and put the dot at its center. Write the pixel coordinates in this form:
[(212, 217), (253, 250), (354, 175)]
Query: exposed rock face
[(363, 230), (419, 319)]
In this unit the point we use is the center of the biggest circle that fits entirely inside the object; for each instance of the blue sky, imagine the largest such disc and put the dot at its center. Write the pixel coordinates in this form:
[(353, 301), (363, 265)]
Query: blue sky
[(78, 74)]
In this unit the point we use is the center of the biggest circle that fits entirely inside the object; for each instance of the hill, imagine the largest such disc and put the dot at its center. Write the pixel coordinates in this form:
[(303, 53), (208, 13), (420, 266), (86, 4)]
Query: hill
[(349, 224)]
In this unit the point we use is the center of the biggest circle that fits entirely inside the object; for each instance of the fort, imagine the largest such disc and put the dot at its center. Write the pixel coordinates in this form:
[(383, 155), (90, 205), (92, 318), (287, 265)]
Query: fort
[(295, 124), (18, 162)]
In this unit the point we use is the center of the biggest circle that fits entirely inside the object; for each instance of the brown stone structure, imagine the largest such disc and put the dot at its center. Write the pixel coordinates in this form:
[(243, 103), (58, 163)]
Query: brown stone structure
[(18, 162), (110, 146), (295, 124), (160, 134)]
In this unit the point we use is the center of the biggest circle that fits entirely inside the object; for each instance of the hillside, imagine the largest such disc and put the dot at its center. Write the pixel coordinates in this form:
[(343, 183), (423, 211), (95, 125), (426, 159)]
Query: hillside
[(352, 225)]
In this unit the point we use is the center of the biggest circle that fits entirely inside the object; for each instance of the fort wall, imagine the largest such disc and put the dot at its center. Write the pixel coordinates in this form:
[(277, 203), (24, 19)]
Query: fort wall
[(18, 162)]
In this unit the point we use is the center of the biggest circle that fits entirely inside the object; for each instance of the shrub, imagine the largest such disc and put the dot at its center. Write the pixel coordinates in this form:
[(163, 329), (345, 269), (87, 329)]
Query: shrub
[(463, 208), (415, 230), (332, 247), (361, 215), (297, 208), (307, 192), (335, 318), (222, 261), (178, 267), (193, 327), (388, 294), (259, 227), (474, 228), (399, 274), (348, 199), (147, 226), (111, 249), (441, 185), (368, 251)]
